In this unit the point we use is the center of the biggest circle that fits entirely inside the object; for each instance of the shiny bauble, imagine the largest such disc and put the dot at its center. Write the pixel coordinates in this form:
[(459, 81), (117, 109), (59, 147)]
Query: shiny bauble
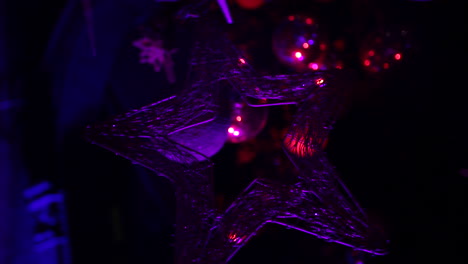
[(246, 122), (301, 44), (384, 50)]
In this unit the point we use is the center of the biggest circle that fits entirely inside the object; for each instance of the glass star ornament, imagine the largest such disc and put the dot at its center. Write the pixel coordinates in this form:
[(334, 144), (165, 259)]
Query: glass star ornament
[(317, 203)]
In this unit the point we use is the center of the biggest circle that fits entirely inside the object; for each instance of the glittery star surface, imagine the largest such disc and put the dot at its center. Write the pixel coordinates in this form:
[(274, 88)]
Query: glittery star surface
[(317, 202)]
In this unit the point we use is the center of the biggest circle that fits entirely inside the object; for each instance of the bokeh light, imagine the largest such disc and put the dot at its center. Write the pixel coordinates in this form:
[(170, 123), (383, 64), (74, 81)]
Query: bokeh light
[(385, 49), (298, 55), (314, 66)]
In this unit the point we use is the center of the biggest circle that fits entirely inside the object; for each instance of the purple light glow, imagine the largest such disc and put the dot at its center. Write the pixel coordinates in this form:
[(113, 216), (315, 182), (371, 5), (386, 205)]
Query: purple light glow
[(225, 8)]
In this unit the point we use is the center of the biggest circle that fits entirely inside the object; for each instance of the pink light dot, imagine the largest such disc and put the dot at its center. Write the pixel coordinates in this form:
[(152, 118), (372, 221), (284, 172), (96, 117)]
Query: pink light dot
[(313, 66), (236, 133), (309, 21), (231, 130), (371, 53), (291, 18), (242, 61), (298, 55), (398, 56), (305, 45), (367, 62), (319, 81), (239, 118)]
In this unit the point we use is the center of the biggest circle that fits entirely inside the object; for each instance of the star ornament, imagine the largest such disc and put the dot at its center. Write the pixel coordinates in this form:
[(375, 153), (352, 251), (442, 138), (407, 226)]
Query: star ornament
[(175, 137)]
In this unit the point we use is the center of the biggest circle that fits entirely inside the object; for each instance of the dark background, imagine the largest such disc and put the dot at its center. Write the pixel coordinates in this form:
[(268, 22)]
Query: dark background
[(399, 148)]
